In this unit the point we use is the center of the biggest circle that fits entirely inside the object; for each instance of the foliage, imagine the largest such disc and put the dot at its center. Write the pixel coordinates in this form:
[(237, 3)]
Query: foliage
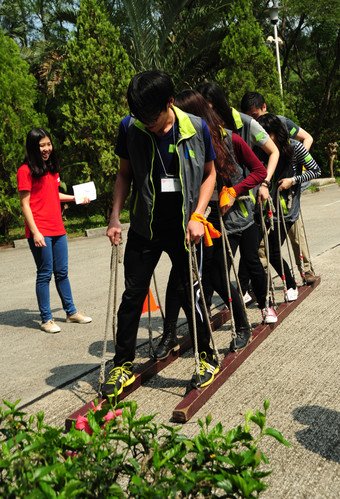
[(191, 39), (129, 456), (17, 115), (311, 68), (182, 37), (96, 73), (248, 64)]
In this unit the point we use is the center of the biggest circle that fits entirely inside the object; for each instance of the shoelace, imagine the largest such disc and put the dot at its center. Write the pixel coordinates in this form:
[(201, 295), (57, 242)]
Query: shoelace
[(116, 372), (205, 366)]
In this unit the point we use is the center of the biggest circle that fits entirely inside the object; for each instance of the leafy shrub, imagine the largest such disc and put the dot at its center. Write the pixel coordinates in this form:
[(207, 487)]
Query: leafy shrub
[(130, 456)]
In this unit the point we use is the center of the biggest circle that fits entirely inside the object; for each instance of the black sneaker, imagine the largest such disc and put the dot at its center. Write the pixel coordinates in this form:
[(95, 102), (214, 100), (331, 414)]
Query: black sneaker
[(168, 344), (120, 377), (207, 370), (242, 339)]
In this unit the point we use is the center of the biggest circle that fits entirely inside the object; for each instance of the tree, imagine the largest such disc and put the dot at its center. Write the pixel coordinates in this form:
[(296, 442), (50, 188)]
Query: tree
[(248, 64), (96, 73), (18, 95), (311, 68), (182, 37)]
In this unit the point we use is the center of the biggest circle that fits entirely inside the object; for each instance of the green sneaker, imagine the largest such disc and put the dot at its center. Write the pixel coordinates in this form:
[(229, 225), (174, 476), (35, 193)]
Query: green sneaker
[(120, 377), (207, 370)]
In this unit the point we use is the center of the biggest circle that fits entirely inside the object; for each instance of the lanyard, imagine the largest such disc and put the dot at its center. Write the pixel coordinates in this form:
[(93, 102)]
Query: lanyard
[(168, 175)]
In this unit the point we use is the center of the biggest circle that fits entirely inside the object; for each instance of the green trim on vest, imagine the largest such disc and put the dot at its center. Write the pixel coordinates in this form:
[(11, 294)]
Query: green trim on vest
[(243, 209), (237, 118), (188, 131), (142, 127), (284, 205), (186, 128), (292, 131), (259, 136), (252, 197)]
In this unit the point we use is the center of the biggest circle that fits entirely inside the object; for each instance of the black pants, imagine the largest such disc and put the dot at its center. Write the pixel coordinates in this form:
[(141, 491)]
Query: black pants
[(214, 276), (248, 242), (140, 259), (275, 252), (274, 257)]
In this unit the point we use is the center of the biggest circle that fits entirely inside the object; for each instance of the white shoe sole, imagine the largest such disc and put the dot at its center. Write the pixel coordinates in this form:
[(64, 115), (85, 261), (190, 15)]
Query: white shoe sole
[(54, 331), (270, 320)]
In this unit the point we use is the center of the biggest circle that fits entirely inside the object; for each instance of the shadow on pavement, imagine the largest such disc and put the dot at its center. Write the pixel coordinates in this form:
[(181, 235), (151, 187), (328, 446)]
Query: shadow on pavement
[(26, 317), (21, 317), (322, 435)]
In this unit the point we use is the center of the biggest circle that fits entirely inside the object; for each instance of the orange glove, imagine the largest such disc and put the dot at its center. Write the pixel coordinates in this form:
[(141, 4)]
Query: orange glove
[(210, 232), (224, 195)]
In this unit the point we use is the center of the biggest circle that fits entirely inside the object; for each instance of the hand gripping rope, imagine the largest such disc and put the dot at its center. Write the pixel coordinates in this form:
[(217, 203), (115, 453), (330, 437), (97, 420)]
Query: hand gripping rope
[(194, 273), (116, 257)]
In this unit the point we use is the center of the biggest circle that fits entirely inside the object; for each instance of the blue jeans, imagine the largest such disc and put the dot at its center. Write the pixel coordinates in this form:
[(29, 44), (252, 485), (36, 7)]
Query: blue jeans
[(52, 259)]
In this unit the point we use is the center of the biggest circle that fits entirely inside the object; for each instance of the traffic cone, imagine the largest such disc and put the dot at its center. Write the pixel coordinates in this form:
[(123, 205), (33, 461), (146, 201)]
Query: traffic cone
[(153, 304)]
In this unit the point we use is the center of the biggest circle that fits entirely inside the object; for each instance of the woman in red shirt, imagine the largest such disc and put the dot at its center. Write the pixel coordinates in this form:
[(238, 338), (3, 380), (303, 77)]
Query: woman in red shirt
[(38, 185)]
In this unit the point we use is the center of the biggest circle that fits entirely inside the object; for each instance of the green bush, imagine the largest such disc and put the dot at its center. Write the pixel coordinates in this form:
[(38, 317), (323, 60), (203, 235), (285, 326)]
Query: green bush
[(122, 455)]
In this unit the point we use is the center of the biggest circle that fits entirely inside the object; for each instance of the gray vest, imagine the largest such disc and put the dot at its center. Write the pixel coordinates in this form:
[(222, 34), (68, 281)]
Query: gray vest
[(240, 216), (190, 149)]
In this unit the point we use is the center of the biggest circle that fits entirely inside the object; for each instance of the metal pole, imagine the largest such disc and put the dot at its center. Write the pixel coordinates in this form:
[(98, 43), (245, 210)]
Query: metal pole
[(273, 8), (278, 60)]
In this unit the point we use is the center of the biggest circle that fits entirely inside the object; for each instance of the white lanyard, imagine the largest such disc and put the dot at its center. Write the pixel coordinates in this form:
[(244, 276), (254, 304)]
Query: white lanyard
[(168, 175)]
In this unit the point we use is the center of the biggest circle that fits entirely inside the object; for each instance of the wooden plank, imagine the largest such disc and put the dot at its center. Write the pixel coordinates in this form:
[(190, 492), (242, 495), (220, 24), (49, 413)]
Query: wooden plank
[(196, 398), (152, 367)]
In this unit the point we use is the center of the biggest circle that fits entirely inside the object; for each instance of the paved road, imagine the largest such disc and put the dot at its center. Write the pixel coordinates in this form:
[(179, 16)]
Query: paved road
[(297, 367)]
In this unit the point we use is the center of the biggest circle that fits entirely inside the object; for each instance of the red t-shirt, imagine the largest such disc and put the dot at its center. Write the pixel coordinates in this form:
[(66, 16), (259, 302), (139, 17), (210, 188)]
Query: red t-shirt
[(44, 201)]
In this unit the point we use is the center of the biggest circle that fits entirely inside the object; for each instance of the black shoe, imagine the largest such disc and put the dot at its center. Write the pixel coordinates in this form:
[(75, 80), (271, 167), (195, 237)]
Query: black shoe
[(168, 343), (207, 370), (243, 336), (120, 377)]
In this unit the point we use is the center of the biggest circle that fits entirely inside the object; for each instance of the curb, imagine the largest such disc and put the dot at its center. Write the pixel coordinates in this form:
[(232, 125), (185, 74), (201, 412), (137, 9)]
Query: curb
[(101, 231), (323, 181), (20, 243)]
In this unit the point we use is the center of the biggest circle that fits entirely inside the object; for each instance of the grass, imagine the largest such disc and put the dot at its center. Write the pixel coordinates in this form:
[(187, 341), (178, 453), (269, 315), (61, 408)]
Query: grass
[(313, 188)]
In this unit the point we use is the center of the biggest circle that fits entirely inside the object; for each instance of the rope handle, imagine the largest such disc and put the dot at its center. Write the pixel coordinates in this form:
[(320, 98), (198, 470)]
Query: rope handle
[(116, 257)]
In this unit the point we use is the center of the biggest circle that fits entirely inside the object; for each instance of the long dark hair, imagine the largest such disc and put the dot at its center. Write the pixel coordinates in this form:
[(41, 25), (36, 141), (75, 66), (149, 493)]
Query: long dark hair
[(193, 102), (274, 126), (33, 156), (214, 94)]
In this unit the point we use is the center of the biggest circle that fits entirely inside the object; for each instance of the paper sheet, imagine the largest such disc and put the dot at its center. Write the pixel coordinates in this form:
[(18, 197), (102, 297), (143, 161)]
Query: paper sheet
[(86, 190)]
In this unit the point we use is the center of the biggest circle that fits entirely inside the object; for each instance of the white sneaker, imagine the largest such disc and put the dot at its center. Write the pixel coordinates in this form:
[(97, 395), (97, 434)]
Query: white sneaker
[(79, 318), (247, 298), (269, 315), (50, 327), (292, 294)]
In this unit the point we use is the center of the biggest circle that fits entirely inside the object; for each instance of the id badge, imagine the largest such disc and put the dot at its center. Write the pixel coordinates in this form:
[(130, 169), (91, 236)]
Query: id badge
[(171, 184)]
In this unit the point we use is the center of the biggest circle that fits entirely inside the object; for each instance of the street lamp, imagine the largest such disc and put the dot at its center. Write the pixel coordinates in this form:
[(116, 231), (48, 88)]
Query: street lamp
[(273, 8)]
